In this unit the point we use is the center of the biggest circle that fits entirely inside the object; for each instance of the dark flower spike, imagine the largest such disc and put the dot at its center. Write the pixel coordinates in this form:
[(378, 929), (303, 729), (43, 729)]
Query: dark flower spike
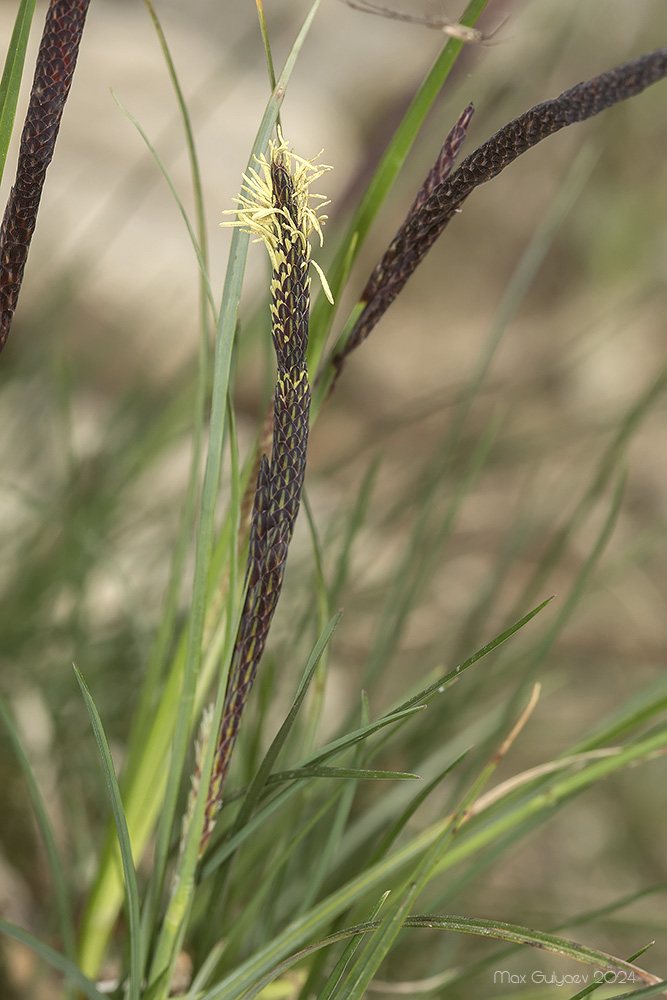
[(429, 216), (444, 165), (274, 206), (54, 69)]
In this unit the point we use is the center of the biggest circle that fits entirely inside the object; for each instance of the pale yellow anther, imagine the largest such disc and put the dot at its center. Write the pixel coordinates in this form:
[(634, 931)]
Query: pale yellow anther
[(259, 217)]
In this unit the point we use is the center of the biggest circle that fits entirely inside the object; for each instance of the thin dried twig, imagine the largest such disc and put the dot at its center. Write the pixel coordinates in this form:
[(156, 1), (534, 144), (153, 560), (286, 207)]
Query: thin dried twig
[(453, 29)]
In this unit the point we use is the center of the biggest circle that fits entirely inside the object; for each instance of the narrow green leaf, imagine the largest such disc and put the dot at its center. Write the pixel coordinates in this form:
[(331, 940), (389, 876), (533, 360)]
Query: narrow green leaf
[(602, 474), (259, 905), (264, 771), (205, 971), (534, 938), (10, 84), (337, 746), (157, 987), (61, 891), (259, 782), (329, 849), (363, 972), (470, 840), (181, 207), (53, 957), (439, 686), (189, 136), (123, 840), (423, 551), (219, 855), (394, 831), (358, 773), (353, 524), (343, 962), (267, 45), (484, 928), (352, 934), (415, 880), (316, 706), (645, 991)]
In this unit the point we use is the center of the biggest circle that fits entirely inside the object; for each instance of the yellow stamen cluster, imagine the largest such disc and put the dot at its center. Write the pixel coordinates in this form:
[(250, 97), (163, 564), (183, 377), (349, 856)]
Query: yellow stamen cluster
[(259, 217)]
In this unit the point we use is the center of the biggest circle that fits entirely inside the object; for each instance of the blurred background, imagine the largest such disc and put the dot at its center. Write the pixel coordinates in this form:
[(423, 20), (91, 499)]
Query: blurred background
[(98, 381)]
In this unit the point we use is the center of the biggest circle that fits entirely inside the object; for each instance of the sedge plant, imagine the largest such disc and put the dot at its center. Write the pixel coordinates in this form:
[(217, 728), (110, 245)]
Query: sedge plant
[(247, 856)]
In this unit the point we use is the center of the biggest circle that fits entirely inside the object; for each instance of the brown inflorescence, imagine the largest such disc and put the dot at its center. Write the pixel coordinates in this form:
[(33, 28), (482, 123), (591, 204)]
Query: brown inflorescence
[(54, 70), (440, 199), (280, 478)]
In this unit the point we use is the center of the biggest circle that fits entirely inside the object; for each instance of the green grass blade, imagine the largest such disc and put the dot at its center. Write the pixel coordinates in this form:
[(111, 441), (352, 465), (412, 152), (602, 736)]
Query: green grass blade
[(61, 891), (263, 774), (353, 524), (123, 840), (329, 849), (422, 552), (157, 987), (379, 945), (218, 855), (341, 772), (396, 829), (167, 623), (265, 769), (468, 843), (510, 932), (261, 817), (181, 207), (158, 658), (645, 991), (53, 957), (606, 468), (10, 84), (522, 279), (350, 739), (568, 607), (492, 960), (642, 709), (536, 939), (320, 916), (503, 815), (363, 972), (353, 935), (267, 45), (205, 972), (259, 907), (189, 136), (353, 944), (323, 604), (437, 687)]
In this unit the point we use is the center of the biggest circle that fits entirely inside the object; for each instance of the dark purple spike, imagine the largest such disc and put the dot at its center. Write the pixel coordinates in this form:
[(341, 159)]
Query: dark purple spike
[(429, 216), (56, 61)]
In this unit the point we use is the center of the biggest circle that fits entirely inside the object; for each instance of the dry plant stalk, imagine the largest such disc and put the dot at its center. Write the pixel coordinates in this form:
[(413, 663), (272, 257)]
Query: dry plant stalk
[(459, 32)]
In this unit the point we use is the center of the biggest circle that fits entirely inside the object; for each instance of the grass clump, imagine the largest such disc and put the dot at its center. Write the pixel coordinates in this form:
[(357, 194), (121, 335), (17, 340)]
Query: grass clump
[(413, 746)]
